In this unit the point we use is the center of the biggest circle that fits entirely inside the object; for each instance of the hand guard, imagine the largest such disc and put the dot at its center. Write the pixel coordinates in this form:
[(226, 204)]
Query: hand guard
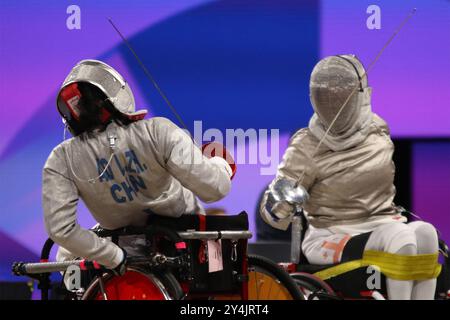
[(283, 209), (285, 198), (215, 149)]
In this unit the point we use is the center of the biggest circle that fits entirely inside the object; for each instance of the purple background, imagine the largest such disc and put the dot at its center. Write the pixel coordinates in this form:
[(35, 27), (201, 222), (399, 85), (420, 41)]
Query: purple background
[(431, 184), (411, 79), (229, 63)]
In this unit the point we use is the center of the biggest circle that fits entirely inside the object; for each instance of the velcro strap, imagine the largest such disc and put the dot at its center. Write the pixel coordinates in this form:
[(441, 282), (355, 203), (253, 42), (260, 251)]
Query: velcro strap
[(180, 245), (201, 222), (394, 266), (404, 267), (202, 227)]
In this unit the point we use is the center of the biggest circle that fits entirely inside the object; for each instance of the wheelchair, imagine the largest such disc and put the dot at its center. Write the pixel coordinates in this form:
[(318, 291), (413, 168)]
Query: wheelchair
[(175, 266), (343, 281)]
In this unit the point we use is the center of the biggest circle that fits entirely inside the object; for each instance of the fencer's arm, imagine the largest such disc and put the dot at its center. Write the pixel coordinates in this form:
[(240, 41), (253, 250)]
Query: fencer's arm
[(209, 179), (297, 164), (60, 198)]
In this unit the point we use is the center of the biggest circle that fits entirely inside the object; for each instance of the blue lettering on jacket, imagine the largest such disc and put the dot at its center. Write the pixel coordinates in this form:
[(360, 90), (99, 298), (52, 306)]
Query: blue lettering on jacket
[(101, 165), (114, 189), (137, 183), (130, 168)]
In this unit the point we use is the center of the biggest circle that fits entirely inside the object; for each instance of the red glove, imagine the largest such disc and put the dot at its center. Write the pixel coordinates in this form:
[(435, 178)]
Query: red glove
[(215, 149)]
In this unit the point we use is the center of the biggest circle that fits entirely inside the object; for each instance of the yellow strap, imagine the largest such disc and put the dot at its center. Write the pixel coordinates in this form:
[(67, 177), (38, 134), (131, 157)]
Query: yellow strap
[(404, 267), (339, 269), (394, 266)]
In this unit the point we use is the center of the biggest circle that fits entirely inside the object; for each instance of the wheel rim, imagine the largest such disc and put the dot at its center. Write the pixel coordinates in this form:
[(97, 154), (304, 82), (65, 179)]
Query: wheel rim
[(133, 285), (263, 286), (314, 281), (309, 284)]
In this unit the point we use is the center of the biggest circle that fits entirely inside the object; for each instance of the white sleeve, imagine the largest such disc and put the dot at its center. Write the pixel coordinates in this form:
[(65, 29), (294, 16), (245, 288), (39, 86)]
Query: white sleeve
[(209, 179), (60, 199)]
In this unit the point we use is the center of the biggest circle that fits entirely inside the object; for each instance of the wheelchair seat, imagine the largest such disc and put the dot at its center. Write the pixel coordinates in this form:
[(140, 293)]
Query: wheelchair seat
[(313, 268), (350, 284), (352, 278), (353, 250)]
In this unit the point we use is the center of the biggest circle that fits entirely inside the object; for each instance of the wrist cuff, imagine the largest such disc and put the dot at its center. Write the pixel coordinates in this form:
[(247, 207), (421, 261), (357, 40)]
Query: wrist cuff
[(118, 259)]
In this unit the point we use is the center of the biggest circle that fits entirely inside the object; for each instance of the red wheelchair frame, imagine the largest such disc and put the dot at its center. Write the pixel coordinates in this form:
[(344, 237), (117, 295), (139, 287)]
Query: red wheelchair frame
[(171, 270)]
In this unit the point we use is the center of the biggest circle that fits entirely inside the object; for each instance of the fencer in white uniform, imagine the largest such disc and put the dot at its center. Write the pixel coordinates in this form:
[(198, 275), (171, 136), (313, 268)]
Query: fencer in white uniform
[(122, 166), (349, 177)]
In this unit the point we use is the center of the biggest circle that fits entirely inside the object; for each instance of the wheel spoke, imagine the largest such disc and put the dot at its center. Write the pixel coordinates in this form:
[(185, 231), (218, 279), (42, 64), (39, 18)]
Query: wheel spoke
[(257, 285)]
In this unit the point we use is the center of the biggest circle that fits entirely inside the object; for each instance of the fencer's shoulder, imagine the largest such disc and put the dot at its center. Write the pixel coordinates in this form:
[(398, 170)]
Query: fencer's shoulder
[(158, 123), (303, 139), (56, 156), (161, 131), (380, 124), (59, 150)]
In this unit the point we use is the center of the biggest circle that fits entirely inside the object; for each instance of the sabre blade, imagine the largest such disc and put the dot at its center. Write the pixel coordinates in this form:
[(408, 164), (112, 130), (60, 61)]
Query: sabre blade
[(149, 76)]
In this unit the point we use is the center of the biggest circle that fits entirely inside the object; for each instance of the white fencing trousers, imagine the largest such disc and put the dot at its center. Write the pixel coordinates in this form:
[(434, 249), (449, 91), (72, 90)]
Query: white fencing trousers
[(321, 246)]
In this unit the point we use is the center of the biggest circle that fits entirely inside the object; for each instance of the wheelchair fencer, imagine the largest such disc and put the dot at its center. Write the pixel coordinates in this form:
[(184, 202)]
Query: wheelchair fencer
[(360, 273), (182, 262)]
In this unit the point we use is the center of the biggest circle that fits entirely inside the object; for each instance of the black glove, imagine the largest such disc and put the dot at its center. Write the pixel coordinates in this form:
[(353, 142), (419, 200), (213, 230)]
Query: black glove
[(121, 268)]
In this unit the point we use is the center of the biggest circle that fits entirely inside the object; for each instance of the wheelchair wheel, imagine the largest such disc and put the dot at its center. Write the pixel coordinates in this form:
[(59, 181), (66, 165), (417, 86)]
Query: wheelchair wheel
[(313, 287), (135, 285), (268, 281)]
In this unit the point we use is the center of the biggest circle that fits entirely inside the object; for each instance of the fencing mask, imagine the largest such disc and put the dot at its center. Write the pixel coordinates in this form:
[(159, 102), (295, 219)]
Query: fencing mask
[(333, 80)]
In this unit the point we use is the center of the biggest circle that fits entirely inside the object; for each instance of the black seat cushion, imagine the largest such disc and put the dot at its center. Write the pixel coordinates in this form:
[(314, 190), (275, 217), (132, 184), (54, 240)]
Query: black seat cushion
[(313, 268), (352, 283), (192, 222)]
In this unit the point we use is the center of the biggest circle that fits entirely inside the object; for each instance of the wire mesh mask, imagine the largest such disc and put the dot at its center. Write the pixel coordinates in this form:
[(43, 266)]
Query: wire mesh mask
[(332, 81)]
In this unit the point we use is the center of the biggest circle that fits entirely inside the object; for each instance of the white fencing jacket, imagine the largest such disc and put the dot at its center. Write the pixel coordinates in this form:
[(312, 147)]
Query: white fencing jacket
[(155, 167), (346, 187)]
